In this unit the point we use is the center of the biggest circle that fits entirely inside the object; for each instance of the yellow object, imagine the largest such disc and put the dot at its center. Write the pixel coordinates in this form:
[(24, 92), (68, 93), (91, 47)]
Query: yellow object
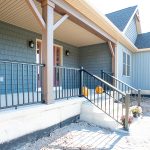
[(99, 90), (85, 91)]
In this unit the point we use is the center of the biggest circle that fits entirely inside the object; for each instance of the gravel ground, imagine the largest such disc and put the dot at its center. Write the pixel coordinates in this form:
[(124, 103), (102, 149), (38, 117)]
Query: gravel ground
[(84, 136)]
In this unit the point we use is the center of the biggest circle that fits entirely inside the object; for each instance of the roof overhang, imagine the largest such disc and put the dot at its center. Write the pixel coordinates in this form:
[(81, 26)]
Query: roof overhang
[(100, 20), (144, 50)]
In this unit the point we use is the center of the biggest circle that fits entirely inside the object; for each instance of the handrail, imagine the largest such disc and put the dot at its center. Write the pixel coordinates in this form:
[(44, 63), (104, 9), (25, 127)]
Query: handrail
[(112, 101), (123, 86), (22, 63), (66, 67), (98, 78), (120, 81)]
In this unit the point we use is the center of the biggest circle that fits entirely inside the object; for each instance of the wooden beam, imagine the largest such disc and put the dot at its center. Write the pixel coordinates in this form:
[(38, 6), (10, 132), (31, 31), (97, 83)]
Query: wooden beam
[(36, 13), (111, 49), (47, 51), (75, 16), (59, 22)]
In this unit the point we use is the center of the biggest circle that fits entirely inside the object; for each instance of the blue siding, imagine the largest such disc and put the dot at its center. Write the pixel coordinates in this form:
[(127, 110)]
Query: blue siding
[(95, 58), (120, 50), (131, 31), (73, 59), (141, 70), (14, 47)]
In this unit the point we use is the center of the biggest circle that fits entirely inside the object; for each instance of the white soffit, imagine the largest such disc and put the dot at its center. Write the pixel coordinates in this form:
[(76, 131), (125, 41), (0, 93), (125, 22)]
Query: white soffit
[(17, 12)]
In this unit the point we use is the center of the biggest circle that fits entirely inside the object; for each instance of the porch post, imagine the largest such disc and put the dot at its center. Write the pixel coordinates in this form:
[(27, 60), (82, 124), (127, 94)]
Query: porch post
[(116, 62), (47, 50)]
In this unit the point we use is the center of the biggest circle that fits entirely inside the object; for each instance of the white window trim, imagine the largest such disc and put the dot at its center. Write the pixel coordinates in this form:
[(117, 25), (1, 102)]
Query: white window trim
[(126, 53)]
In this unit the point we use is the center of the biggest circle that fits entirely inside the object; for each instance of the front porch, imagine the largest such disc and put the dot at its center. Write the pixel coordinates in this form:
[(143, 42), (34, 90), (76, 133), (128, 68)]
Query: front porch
[(41, 56), (26, 79)]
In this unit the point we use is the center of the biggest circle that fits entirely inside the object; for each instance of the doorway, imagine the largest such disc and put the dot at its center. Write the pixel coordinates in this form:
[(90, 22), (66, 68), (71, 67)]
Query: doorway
[(58, 61), (38, 60)]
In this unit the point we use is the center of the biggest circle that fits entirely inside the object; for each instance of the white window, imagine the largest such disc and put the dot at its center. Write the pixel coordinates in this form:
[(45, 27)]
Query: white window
[(126, 64)]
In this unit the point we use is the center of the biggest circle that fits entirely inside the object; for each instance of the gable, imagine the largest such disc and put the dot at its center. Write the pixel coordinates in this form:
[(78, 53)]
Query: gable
[(121, 18), (131, 31)]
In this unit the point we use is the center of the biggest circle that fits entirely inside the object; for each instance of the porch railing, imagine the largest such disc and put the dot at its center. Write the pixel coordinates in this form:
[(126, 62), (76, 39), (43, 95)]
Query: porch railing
[(135, 94), (74, 82), (66, 82), (20, 83)]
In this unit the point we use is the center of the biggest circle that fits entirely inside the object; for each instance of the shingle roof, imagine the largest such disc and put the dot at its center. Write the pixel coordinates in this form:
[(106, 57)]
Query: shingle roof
[(143, 40), (120, 18)]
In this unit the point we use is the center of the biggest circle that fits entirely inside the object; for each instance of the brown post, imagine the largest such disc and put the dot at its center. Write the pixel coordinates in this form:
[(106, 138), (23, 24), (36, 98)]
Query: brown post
[(139, 97), (127, 104), (47, 50)]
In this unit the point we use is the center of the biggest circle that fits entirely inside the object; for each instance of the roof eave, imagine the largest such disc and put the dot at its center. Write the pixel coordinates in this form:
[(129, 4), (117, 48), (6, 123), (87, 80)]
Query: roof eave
[(143, 49), (103, 22)]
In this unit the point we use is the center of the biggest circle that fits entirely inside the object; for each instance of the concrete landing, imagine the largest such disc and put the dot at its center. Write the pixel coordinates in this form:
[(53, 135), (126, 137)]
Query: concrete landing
[(29, 119), (92, 114)]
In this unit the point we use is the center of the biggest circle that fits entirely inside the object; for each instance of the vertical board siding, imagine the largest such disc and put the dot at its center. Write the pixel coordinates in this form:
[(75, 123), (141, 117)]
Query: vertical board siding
[(120, 50), (141, 70), (95, 58), (131, 31)]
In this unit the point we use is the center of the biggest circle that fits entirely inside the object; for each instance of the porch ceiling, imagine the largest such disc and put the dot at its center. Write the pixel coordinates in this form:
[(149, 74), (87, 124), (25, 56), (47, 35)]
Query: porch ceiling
[(73, 34), (17, 12)]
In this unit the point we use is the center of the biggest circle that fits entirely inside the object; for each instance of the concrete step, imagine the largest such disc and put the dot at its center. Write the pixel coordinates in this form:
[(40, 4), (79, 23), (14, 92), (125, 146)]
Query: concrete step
[(92, 114)]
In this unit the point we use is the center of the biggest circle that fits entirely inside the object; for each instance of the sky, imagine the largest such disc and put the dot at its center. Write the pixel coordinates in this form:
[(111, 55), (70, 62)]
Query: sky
[(106, 6)]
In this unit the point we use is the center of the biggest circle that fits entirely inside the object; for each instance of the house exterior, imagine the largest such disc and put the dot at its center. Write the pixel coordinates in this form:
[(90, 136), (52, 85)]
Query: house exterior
[(45, 43), (130, 26), (77, 39)]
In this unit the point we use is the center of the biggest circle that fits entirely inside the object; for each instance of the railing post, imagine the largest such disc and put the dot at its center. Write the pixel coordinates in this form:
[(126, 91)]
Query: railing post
[(81, 82), (102, 76), (127, 103), (139, 97)]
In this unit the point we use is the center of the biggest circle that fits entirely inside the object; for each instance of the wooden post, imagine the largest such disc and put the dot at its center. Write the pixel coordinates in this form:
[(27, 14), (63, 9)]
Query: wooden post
[(139, 97), (127, 104), (47, 50)]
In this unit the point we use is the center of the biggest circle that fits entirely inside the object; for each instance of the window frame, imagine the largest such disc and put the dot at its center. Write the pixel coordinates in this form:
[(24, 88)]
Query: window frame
[(127, 64)]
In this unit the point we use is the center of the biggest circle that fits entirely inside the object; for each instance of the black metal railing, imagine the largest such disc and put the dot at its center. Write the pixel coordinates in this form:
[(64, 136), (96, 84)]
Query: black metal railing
[(66, 82), (135, 94), (92, 88), (20, 83)]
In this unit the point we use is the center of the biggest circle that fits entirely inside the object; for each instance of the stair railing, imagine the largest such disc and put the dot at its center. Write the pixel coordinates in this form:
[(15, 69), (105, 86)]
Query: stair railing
[(102, 95), (124, 87)]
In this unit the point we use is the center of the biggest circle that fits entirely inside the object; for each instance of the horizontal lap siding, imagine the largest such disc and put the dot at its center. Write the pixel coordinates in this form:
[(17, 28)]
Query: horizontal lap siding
[(14, 47), (70, 78), (95, 58), (141, 70), (73, 59)]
